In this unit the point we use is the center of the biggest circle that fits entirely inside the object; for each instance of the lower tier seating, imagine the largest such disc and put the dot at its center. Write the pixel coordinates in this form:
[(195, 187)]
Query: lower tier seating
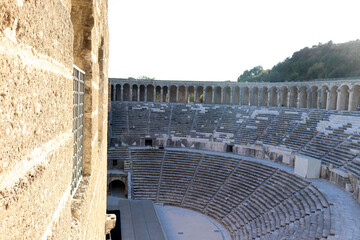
[(250, 199)]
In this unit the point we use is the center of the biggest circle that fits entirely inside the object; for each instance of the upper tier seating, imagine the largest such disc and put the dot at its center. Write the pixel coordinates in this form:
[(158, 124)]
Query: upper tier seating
[(332, 136), (252, 200)]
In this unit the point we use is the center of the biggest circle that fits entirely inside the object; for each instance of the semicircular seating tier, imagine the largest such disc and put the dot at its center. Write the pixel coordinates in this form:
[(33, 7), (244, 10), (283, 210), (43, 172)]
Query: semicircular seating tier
[(252, 200), (331, 136)]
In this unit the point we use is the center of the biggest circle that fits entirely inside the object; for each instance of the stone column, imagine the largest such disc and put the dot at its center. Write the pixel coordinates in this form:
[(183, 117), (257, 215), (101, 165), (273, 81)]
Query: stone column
[(338, 99), (161, 94), (222, 95), (231, 96), (298, 99), (130, 94), (319, 98), (121, 93), (269, 97), (204, 95), (169, 93), (177, 94), (195, 93), (114, 93), (145, 100), (186, 93), (309, 98), (351, 99), (288, 98), (279, 97), (138, 93), (241, 96), (328, 98), (213, 95), (154, 94)]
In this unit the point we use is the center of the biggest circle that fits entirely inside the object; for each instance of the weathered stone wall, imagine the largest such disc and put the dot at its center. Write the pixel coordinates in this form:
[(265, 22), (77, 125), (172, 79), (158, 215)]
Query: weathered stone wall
[(39, 43)]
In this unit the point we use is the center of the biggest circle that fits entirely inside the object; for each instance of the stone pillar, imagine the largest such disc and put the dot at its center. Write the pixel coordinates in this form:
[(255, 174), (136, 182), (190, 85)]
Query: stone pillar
[(231, 96), (195, 93), (222, 95), (145, 99), (279, 97), (169, 93), (121, 93), (298, 99), (186, 93), (177, 94), (154, 94), (251, 96), (161, 94), (114, 93), (204, 95), (213, 96), (138, 94), (319, 98), (351, 99), (309, 98), (328, 98), (130, 94), (338, 99), (288, 98), (270, 93)]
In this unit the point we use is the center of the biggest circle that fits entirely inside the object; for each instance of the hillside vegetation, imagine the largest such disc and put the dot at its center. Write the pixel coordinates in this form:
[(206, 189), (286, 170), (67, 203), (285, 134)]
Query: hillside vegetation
[(321, 61)]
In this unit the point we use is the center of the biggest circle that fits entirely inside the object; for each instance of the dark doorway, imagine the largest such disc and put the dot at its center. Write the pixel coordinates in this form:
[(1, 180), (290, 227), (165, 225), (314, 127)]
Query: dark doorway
[(117, 189), (148, 142), (229, 148)]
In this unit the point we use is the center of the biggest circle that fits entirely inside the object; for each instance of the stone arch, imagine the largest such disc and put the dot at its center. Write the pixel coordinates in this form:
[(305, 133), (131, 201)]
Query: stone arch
[(117, 188), (208, 94), (142, 93), (134, 92), (118, 92), (254, 96), (283, 96), (182, 92), (324, 97), (173, 92), (165, 97), (294, 96), (354, 101), (302, 97), (227, 95), (199, 94), (126, 92), (245, 96), (313, 97), (273, 96), (343, 99), (333, 98), (265, 96), (150, 93), (218, 94), (157, 94), (191, 94), (236, 97)]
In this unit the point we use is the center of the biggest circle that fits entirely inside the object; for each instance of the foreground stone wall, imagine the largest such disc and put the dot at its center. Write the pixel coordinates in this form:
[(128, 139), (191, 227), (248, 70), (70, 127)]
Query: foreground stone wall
[(39, 43)]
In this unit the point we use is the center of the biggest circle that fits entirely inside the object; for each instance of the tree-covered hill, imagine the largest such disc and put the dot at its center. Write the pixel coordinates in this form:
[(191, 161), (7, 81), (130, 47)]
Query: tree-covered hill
[(321, 61)]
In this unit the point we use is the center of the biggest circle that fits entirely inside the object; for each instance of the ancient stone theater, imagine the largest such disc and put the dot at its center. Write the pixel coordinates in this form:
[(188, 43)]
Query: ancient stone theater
[(53, 119), (263, 160)]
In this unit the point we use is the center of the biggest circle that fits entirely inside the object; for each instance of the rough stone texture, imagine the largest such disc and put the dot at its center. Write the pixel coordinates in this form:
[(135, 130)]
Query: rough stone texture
[(38, 47)]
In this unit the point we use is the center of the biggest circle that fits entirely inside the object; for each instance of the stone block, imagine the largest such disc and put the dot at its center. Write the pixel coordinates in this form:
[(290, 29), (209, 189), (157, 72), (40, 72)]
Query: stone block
[(307, 167)]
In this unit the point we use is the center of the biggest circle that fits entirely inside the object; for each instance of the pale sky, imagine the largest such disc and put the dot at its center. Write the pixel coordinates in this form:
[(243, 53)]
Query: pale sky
[(209, 40)]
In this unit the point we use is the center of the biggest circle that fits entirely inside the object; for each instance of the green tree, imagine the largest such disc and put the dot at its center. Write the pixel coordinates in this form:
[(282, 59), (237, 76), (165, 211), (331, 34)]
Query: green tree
[(145, 78)]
